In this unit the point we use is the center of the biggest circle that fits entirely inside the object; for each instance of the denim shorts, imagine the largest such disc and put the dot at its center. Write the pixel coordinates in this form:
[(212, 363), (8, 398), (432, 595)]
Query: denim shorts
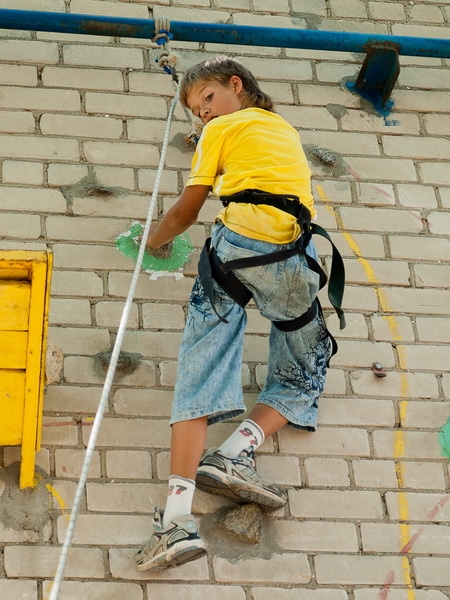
[(210, 358)]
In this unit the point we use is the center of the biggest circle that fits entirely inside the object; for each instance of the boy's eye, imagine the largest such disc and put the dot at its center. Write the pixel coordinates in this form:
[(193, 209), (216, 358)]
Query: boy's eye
[(209, 97)]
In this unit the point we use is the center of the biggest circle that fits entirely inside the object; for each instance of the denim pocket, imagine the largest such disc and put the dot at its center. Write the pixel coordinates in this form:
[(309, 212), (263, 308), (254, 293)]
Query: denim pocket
[(283, 290)]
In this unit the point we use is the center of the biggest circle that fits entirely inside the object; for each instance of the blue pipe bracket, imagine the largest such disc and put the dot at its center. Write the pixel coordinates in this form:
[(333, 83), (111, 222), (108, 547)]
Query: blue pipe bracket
[(375, 82)]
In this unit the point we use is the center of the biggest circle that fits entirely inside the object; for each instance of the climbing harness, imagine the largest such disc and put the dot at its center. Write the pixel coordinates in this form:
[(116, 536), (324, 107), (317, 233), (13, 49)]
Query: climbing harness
[(114, 358), (211, 266)]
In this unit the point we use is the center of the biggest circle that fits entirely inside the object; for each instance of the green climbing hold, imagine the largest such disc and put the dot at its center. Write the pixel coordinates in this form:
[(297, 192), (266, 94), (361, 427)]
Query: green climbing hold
[(128, 244), (444, 439)]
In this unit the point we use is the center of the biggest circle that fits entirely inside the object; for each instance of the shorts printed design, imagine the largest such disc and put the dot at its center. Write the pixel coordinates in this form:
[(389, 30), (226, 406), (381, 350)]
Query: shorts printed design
[(210, 359)]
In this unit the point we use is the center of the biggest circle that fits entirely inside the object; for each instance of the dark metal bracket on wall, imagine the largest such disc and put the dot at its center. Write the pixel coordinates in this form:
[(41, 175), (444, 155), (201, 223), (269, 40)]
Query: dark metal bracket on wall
[(375, 81)]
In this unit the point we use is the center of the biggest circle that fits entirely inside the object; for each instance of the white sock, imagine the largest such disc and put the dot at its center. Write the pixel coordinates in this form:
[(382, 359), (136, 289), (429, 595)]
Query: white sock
[(247, 437), (180, 494)]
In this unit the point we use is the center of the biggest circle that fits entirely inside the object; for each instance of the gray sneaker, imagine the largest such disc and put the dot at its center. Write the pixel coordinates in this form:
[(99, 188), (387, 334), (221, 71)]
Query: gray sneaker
[(177, 544), (236, 479)]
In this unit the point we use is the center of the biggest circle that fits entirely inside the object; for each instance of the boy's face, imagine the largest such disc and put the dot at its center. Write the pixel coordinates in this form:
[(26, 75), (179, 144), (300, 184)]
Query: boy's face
[(210, 99)]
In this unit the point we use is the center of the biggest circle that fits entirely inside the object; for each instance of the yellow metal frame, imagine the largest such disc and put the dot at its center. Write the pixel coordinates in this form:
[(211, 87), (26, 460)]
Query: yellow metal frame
[(34, 267)]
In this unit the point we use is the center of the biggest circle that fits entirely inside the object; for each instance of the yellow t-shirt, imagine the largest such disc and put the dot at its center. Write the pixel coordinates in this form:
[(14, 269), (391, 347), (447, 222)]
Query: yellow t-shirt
[(254, 149)]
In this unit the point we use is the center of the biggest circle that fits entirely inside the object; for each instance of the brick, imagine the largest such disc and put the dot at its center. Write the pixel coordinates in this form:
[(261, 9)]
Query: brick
[(279, 470), (162, 344), (196, 15), (109, 530), (358, 120), (375, 474), (427, 507), (357, 570), (328, 472), (132, 433), (72, 399), (422, 101), (432, 569), (386, 11), (268, 593), (59, 431), (435, 358), (424, 248), (363, 354), (18, 588), (89, 79), (87, 127), (316, 536), (103, 56), (393, 169), (118, 497), (286, 568), (162, 316), (419, 301), (131, 206), (326, 440), (397, 385), (65, 174), (41, 561), (337, 192), (40, 99), (425, 415), (383, 538), (69, 283), (73, 256), (330, 72), (84, 229), (331, 504), (355, 325), (18, 74), (415, 147), (124, 105), (17, 122), (166, 591), (80, 370), (351, 8), (115, 177), (398, 594), (69, 463), (118, 464), (340, 142), (437, 124), (69, 312), (407, 444), (153, 130), (376, 195), (306, 117), (396, 328), (149, 82), (94, 590), (351, 411), (109, 314), (17, 172), (119, 153), (166, 288), (418, 196), (21, 536), (20, 226), (20, 146), (145, 403), (432, 329), (46, 5), (381, 219), (78, 340), (438, 222), (123, 565), (29, 51), (423, 475)]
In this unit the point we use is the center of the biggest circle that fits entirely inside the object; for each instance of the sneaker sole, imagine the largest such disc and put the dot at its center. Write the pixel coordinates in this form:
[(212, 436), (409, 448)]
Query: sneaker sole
[(235, 489), (174, 557)]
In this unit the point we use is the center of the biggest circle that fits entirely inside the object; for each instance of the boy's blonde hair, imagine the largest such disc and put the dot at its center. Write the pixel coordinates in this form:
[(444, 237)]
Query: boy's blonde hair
[(221, 69)]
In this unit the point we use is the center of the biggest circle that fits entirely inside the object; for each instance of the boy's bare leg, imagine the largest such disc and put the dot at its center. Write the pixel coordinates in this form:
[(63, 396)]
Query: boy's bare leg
[(269, 419), (188, 444)]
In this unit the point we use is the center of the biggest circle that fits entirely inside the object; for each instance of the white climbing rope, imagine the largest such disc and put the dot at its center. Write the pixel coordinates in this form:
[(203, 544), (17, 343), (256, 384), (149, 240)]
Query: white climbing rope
[(113, 363)]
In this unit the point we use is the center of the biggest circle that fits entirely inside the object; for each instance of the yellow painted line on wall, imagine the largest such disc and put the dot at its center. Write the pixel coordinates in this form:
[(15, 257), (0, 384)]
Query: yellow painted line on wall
[(57, 496), (399, 440)]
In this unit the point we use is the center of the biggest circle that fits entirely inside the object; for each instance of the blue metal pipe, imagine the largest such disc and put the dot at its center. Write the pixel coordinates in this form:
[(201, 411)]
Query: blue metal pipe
[(31, 20)]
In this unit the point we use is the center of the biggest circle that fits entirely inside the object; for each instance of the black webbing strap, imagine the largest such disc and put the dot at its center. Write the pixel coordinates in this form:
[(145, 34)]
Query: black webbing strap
[(288, 203)]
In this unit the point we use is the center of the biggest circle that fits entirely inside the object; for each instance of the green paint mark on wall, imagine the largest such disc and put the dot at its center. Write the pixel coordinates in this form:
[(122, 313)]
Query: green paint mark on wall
[(128, 244), (444, 439)]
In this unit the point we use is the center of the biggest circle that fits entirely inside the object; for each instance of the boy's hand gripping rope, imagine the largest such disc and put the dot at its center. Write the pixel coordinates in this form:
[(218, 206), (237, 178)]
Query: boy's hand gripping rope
[(113, 364)]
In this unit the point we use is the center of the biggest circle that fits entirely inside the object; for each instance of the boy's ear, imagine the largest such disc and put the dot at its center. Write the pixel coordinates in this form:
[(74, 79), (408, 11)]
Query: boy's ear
[(237, 84)]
